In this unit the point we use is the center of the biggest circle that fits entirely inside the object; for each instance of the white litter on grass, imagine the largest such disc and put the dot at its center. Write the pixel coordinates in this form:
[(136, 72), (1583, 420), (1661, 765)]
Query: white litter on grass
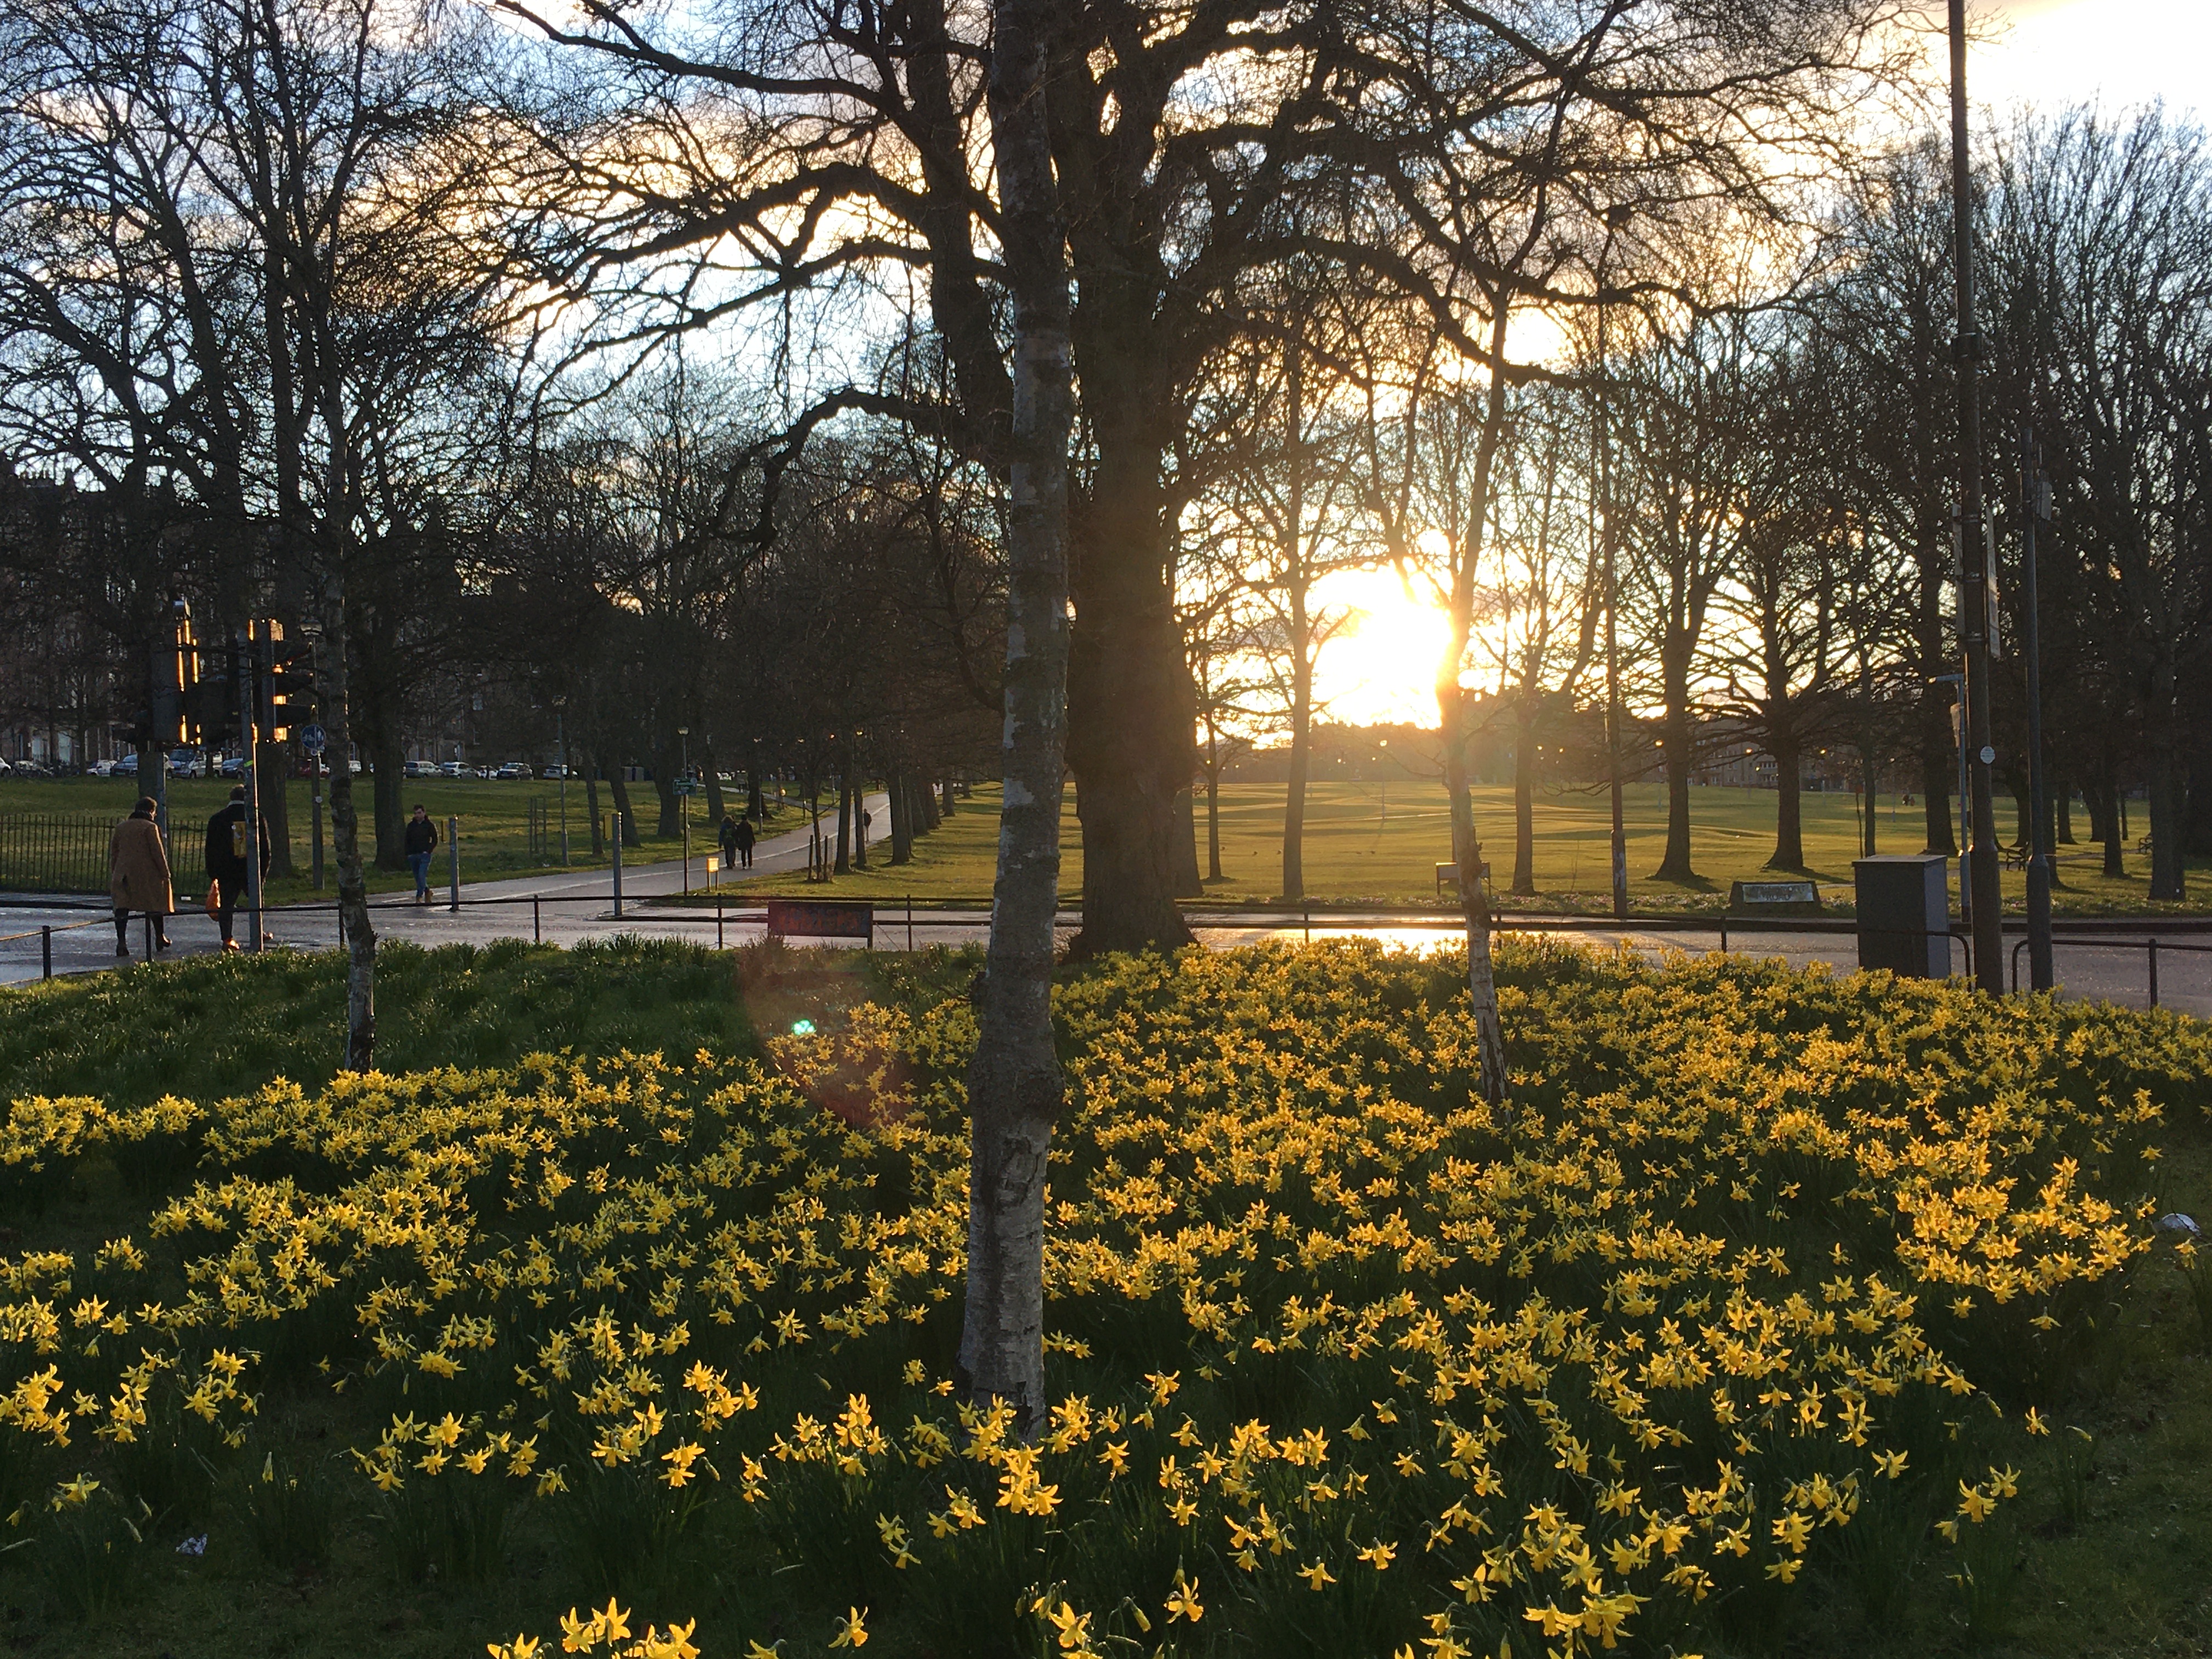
[(2174, 1222), (193, 1545)]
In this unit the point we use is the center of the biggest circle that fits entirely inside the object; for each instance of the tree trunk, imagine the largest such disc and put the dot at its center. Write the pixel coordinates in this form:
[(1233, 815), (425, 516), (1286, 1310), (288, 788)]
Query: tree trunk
[(389, 793), (1213, 805), (625, 820), (901, 826), (1451, 698), (927, 797), (2062, 800), (717, 808), (272, 766), (2168, 879), (1188, 883), (1938, 760), (2109, 829), (1294, 798), (1870, 772), (333, 694), (591, 811), (1015, 1090), (1789, 808), (1675, 865), (948, 796), (843, 864), (1131, 713), (1524, 801), (2198, 832), (664, 786)]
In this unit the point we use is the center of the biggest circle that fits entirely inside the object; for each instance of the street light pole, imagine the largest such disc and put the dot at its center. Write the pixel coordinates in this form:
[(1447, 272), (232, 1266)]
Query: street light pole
[(560, 743), (1988, 915), (684, 801)]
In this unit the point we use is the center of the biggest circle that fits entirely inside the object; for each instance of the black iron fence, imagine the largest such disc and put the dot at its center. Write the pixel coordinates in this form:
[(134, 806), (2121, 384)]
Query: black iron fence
[(67, 852)]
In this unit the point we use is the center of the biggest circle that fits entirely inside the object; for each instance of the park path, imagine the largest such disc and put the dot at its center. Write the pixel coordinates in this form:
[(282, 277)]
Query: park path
[(578, 905)]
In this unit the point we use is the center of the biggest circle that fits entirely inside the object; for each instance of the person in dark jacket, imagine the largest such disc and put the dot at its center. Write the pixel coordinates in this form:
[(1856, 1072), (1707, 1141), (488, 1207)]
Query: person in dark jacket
[(226, 859), (728, 837), (744, 843), (138, 875), (421, 841)]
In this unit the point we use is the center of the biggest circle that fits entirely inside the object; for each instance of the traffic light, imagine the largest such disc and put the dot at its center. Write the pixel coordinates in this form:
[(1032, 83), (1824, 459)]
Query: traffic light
[(285, 688), (175, 668), (210, 701)]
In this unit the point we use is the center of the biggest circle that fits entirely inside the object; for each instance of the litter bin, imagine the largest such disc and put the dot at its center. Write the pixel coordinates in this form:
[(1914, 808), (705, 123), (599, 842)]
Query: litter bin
[(1903, 913)]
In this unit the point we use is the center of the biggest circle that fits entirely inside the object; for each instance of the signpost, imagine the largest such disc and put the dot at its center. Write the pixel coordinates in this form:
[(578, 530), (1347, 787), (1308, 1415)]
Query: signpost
[(313, 739), (685, 787)]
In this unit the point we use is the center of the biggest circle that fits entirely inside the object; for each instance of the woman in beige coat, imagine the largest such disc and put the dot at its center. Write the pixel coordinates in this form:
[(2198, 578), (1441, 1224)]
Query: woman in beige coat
[(138, 875)]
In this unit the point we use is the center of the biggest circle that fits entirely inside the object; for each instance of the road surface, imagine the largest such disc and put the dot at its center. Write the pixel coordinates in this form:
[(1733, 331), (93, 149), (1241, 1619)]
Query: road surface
[(570, 908)]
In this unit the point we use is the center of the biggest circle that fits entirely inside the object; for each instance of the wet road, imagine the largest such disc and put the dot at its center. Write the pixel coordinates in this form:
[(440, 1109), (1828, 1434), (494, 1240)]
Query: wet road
[(573, 908)]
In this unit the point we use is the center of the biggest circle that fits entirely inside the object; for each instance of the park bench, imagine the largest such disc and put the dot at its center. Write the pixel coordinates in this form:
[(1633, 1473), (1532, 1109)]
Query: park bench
[(821, 919), (1450, 873), (1748, 900)]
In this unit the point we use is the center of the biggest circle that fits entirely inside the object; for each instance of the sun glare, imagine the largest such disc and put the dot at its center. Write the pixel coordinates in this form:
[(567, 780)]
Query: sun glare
[(1381, 665)]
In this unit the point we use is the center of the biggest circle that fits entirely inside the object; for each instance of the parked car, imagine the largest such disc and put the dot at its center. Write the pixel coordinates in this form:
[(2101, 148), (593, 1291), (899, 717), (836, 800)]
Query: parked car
[(512, 771), (125, 768), (419, 769), (454, 768), (234, 766), (556, 772), (188, 763)]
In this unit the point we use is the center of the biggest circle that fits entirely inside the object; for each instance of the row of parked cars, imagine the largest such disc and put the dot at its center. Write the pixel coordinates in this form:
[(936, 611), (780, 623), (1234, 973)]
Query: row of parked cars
[(506, 774), (192, 763)]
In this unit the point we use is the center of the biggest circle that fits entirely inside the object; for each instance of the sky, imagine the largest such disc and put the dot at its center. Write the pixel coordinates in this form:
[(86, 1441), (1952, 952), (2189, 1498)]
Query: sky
[(2119, 52), (2049, 53)]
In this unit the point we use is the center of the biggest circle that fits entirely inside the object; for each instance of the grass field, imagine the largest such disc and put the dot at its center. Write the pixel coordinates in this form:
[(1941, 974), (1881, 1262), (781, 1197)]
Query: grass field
[(493, 831), (1361, 846), (2103, 1553)]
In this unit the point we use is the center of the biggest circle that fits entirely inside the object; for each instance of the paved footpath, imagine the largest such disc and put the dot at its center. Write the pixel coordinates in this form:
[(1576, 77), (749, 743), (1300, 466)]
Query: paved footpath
[(580, 906)]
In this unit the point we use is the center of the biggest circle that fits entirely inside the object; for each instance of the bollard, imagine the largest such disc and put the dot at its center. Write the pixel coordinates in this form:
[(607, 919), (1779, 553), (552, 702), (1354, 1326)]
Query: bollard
[(617, 845), (909, 924), (718, 924), (2154, 971), (1723, 935), (537, 929), (453, 862), (45, 953), (1305, 909)]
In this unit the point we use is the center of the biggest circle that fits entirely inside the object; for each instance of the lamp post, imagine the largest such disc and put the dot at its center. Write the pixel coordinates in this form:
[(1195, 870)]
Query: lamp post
[(1616, 220), (560, 743), (684, 801), (1987, 920)]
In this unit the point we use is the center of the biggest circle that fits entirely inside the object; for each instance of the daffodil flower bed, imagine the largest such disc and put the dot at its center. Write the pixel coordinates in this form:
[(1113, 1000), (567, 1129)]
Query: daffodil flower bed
[(1756, 1272)]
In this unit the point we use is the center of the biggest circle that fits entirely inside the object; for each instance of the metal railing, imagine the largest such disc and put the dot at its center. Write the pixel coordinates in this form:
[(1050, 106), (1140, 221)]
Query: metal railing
[(2150, 947), (67, 852)]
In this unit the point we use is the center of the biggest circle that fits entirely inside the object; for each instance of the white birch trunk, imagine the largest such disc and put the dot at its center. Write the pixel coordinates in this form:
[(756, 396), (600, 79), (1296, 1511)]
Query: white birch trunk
[(1014, 1083)]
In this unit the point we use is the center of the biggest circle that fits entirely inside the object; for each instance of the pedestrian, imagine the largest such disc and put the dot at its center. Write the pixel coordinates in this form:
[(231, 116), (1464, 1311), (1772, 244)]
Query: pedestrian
[(226, 860), (138, 875), (728, 836), (422, 841), (744, 841)]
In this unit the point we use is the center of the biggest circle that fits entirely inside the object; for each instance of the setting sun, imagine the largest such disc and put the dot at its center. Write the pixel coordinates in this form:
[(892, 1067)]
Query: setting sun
[(1382, 667)]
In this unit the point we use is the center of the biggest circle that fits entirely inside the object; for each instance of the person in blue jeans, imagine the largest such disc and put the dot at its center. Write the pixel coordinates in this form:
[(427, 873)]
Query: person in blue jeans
[(422, 841)]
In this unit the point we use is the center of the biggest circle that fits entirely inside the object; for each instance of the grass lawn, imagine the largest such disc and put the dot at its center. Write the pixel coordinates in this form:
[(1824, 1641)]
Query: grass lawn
[(1358, 845), (494, 834), (2105, 1553)]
